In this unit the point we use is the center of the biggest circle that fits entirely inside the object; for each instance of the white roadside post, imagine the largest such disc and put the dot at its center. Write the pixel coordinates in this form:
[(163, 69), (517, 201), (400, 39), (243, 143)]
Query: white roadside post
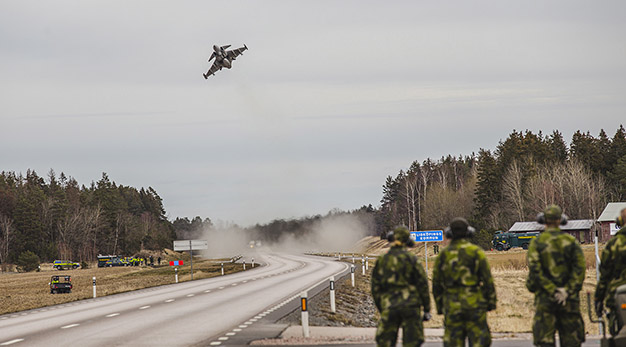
[(367, 262), (332, 294), (253, 263), (94, 286), (352, 274), (363, 266), (352, 258), (305, 314), (222, 269), (244, 265), (176, 274)]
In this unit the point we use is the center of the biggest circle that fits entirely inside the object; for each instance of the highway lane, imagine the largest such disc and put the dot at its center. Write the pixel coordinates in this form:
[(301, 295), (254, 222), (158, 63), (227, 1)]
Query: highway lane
[(189, 313)]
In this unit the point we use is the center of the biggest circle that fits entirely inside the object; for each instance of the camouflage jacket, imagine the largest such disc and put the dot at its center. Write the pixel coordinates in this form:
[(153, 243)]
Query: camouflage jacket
[(399, 281), (612, 268), (555, 260), (462, 278)]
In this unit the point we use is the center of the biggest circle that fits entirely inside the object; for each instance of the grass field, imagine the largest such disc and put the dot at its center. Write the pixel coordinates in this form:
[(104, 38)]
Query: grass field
[(24, 291)]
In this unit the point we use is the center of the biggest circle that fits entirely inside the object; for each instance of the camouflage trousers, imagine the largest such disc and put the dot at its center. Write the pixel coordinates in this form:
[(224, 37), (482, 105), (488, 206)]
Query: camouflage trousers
[(466, 324), (410, 319), (550, 317)]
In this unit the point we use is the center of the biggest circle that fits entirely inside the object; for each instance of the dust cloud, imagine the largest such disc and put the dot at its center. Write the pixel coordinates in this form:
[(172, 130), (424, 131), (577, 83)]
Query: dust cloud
[(331, 233)]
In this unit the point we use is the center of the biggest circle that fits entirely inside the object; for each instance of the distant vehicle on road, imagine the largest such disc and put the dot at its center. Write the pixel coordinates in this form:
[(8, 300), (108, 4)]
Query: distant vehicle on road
[(60, 284), (65, 264), (503, 241)]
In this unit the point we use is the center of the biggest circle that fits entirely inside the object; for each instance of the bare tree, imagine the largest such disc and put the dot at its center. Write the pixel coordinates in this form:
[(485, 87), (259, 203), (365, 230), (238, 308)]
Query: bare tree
[(6, 236), (513, 190)]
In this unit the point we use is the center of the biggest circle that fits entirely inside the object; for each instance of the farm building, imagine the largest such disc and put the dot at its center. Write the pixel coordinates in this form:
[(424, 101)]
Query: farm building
[(581, 229), (607, 220)]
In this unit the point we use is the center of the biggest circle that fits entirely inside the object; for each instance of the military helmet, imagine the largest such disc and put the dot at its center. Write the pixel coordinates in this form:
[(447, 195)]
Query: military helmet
[(459, 227), (552, 213), (401, 235)]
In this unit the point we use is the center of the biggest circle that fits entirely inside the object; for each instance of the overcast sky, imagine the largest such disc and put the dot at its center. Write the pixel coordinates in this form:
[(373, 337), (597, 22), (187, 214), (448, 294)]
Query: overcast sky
[(330, 98)]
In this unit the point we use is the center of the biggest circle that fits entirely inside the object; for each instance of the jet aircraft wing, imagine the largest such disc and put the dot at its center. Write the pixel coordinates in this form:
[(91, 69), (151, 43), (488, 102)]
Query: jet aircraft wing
[(234, 53), (214, 68)]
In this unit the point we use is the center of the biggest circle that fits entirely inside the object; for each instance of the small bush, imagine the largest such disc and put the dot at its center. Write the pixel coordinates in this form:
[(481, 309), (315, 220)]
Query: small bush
[(84, 265), (27, 261)]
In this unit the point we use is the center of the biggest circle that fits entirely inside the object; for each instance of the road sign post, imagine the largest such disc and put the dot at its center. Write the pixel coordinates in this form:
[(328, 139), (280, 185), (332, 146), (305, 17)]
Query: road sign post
[(190, 245), (305, 314), (332, 294), (352, 274), (426, 236)]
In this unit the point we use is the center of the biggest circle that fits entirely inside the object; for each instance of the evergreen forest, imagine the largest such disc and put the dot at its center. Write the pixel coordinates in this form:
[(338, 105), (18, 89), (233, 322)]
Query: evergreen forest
[(56, 218)]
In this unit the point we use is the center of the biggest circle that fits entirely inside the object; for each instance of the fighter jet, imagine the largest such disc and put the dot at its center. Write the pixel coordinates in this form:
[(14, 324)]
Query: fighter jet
[(223, 58)]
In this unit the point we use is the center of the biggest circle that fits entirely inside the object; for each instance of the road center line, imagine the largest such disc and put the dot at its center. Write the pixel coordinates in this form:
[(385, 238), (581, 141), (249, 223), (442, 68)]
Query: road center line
[(144, 307), (11, 342), (169, 300), (190, 295), (70, 326), (112, 315)]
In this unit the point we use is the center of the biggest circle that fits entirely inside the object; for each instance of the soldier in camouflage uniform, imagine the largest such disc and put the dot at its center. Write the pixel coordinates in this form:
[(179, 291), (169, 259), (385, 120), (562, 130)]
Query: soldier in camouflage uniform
[(400, 290), (463, 288), (556, 272), (612, 273)]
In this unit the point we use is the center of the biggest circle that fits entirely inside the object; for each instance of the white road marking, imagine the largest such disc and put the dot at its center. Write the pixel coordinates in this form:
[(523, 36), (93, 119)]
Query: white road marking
[(234, 284), (215, 343), (190, 295), (144, 307), (248, 323), (253, 320), (220, 288), (223, 338), (237, 330), (207, 291), (11, 342), (112, 315), (230, 334), (169, 300), (243, 326), (70, 326), (245, 281)]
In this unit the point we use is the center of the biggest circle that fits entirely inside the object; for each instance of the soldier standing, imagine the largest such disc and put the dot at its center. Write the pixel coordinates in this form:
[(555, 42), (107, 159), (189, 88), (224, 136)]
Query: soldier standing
[(463, 288), (556, 267), (400, 289), (612, 273)]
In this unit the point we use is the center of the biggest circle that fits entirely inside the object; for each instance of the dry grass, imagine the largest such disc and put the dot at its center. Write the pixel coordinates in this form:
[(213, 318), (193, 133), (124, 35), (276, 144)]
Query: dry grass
[(26, 291)]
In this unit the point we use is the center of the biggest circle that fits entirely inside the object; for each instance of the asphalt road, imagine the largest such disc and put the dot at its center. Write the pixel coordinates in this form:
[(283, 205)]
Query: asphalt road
[(203, 312)]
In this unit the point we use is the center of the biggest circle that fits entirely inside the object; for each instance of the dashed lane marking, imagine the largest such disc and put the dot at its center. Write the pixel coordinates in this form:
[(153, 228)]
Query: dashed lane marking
[(243, 326), (215, 343), (144, 307), (11, 342), (220, 288), (190, 295), (207, 291), (70, 326), (169, 300), (112, 315), (236, 330), (230, 334), (223, 338)]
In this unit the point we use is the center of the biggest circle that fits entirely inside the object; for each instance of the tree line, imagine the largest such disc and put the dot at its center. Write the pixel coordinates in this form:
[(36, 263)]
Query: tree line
[(494, 189), (58, 218)]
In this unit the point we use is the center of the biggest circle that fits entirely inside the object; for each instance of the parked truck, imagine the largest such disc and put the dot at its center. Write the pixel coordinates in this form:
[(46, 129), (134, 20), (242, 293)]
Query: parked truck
[(60, 284), (503, 241)]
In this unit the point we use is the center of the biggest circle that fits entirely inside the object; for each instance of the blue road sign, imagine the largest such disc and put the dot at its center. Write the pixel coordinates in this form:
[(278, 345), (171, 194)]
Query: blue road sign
[(427, 236)]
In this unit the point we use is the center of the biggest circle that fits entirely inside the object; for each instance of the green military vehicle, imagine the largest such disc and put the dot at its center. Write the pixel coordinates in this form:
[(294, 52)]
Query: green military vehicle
[(60, 284), (503, 241), (65, 264)]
